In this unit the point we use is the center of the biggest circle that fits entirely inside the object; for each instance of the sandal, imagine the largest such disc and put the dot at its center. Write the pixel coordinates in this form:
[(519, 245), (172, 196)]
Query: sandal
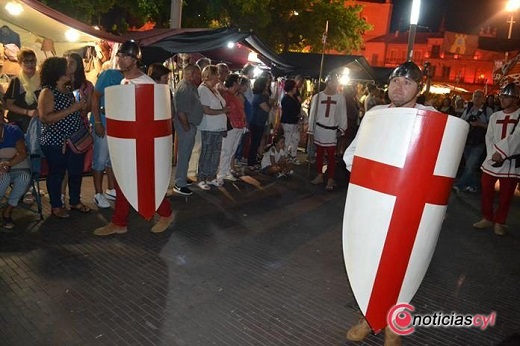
[(8, 222), (82, 208), (60, 213)]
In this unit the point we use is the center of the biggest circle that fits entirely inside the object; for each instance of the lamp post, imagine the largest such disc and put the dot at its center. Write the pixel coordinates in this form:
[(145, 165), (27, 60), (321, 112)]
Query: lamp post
[(511, 7), (414, 18)]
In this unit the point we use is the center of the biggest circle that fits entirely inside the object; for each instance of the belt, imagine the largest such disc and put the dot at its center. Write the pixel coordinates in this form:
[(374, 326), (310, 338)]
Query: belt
[(327, 127)]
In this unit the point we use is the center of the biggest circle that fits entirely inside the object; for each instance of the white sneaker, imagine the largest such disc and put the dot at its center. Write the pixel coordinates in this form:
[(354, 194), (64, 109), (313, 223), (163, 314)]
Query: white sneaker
[(216, 182), (230, 177), (203, 185), (101, 201), (110, 194)]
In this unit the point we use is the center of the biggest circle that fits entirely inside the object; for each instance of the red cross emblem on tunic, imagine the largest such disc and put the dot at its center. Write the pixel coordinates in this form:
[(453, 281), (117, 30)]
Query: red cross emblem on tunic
[(328, 102), (414, 185), (144, 130), (507, 120)]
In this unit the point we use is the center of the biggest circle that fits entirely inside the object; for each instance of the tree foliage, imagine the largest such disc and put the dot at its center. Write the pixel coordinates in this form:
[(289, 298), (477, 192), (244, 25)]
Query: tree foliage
[(284, 25)]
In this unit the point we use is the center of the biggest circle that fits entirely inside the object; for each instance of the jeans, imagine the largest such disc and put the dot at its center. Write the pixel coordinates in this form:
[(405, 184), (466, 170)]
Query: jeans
[(472, 155), (209, 154), (59, 163), (100, 157), (20, 178)]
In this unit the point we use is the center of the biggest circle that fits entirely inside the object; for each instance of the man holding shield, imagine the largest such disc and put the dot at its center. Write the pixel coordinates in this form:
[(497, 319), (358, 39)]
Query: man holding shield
[(404, 86), (128, 57)]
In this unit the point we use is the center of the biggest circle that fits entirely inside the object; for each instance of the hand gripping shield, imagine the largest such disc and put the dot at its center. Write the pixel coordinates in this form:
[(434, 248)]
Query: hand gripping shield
[(403, 169), (139, 134)]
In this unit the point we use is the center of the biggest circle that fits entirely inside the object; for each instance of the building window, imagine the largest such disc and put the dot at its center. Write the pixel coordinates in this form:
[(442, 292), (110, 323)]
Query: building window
[(392, 56), (432, 70), (417, 56), (446, 72), (374, 59), (436, 50)]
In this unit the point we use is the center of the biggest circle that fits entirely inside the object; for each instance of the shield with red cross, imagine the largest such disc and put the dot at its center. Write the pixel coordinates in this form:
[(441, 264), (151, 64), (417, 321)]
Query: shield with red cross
[(404, 165), (139, 134)]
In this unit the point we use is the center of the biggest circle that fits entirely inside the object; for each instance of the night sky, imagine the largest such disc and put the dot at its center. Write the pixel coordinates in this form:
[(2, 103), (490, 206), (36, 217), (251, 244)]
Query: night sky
[(466, 16)]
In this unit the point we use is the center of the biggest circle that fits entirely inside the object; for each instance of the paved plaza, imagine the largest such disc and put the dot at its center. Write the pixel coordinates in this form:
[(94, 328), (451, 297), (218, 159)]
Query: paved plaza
[(256, 262)]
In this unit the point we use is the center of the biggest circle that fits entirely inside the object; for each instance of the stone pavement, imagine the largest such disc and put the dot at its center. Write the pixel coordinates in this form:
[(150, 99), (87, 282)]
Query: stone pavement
[(256, 262)]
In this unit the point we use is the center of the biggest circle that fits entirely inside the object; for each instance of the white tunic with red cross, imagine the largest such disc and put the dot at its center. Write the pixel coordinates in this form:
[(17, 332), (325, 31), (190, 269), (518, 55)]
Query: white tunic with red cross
[(329, 117), (501, 138)]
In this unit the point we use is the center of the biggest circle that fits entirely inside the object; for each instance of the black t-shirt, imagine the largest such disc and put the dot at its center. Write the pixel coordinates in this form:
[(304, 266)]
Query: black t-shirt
[(291, 109), (16, 92)]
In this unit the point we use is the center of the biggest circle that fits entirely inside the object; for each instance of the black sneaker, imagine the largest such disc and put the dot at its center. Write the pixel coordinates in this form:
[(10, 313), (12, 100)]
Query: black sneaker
[(182, 190)]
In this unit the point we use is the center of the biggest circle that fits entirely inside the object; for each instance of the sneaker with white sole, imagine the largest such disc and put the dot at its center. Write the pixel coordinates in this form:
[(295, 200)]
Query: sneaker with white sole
[(230, 177), (101, 201), (203, 185), (110, 194), (216, 182), (182, 190)]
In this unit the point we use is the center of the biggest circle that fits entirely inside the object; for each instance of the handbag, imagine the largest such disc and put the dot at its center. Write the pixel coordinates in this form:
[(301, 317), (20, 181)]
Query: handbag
[(80, 141)]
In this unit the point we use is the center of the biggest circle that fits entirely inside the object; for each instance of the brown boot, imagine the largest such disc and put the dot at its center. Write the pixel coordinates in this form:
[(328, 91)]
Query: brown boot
[(318, 180), (110, 229), (482, 224), (499, 229), (360, 331), (162, 224), (391, 338)]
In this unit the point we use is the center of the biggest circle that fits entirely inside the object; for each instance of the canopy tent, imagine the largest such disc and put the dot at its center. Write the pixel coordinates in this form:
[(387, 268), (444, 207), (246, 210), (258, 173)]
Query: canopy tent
[(308, 64), (160, 44), (41, 21), (43, 30)]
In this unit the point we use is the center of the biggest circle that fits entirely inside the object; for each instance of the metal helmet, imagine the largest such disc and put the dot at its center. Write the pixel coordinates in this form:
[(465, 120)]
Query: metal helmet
[(511, 90), (130, 48), (408, 70), (331, 77)]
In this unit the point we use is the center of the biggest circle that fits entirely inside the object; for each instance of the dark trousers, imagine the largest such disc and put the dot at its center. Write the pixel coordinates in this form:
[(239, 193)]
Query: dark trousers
[(60, 162), (256, 138)]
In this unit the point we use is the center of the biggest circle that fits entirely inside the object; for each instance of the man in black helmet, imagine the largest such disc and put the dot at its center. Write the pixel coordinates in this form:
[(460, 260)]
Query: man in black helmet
[(404, 86), (128, 58), (502, 143)]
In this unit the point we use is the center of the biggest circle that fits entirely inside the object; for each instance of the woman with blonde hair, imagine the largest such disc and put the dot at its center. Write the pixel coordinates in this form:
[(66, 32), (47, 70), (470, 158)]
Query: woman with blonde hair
[(213, 128), (21, 97)]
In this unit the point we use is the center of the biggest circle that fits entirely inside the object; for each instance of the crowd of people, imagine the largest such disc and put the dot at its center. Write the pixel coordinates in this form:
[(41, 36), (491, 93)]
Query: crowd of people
[(226, 124)]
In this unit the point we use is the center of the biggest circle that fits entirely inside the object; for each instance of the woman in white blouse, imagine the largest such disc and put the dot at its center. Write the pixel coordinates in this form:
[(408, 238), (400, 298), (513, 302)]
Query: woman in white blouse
[(212, 128)]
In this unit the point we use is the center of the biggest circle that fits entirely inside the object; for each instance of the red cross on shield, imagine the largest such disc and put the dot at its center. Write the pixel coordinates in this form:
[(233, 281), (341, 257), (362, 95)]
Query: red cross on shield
[(139, 134), (404, 165)]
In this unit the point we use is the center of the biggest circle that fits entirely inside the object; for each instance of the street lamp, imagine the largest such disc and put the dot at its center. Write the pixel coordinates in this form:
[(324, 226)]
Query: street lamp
[(511, 7), (414, 19)]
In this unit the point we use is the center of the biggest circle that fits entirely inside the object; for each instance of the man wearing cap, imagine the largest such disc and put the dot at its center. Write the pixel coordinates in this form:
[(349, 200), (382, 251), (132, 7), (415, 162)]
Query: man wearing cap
[(404, 86), (128, 58), (502, 160), (328, 116)]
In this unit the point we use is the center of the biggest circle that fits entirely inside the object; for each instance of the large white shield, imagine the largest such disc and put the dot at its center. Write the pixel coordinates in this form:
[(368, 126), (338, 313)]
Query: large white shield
[(404, 166), (139, 133)]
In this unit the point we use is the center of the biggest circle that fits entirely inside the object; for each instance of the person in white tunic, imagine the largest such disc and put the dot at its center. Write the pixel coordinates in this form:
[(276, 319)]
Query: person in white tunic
[(404, 86), (328, 116), (502, 161)]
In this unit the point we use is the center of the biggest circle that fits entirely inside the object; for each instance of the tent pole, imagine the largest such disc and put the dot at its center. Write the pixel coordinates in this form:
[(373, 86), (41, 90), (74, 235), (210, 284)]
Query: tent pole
[(309, 139)]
